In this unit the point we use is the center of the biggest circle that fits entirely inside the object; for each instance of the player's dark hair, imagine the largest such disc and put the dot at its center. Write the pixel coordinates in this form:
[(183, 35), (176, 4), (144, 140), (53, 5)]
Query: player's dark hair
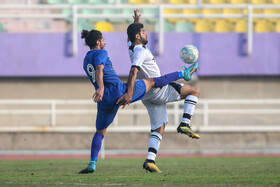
[(91, 37), (134, 29)]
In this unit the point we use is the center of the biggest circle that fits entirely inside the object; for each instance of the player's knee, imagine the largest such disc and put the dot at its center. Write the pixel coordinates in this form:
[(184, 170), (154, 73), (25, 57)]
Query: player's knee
[(102, 131), (150, 83), (160, 130), (196, 92)]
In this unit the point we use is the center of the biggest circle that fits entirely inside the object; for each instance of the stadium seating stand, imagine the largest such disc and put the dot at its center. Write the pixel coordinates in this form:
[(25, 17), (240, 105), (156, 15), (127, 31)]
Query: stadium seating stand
[(104, 26), (239, 25), (2, 27), (211, 11), (223, 26), (77, 1), (173, 11), (138, 1), (191, 11), (56, 2), (214, 1), (238, 1), (275, 1), (203, 25), (232, 11), (168, 27), (184, 26), (96, 2), (271, 11), (182, 2), (262, 25), (259, 1)]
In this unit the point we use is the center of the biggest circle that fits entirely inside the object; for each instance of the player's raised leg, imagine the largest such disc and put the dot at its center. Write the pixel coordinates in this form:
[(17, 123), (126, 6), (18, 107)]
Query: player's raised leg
[(158, 82), (155, 82), (170, 77)]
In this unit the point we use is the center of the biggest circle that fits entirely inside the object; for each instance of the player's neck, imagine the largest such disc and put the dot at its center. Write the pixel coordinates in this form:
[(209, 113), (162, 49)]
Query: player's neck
[(95, 48), (137, 43)]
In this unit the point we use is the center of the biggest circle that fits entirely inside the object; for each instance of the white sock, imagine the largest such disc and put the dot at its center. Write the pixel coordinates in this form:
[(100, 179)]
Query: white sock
[(154, 143), (189, 107)]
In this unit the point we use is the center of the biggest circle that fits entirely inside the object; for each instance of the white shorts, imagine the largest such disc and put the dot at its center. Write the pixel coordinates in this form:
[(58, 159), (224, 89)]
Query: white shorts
[(156, 103)]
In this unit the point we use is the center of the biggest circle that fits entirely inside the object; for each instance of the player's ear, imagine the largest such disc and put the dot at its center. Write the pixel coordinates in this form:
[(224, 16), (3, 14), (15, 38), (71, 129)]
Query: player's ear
[(137, 36), (97, 43)]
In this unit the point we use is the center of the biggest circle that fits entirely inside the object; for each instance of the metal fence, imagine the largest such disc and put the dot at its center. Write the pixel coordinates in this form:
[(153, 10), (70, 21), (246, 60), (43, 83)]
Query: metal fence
[(211, 115)]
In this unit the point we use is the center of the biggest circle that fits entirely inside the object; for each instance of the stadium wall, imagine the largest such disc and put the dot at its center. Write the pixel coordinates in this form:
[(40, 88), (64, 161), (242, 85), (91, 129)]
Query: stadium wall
[(253, 142), (221, 54), (262, 87)]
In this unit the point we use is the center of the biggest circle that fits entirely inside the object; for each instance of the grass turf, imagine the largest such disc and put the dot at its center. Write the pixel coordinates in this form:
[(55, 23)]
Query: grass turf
[(218, 171)]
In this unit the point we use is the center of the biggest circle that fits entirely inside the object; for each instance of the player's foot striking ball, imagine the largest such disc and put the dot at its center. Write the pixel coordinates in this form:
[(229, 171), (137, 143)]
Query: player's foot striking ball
[(151, 166), (185, 128), (189, 71)]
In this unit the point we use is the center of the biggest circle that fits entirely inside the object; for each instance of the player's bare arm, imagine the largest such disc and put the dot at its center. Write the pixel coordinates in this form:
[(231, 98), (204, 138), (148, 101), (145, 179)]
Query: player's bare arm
[(98, 95), (136, 16), (126, 98)]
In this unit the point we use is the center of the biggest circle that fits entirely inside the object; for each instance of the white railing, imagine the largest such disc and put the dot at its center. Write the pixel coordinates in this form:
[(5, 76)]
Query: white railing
[(160, 16), (268, 109)]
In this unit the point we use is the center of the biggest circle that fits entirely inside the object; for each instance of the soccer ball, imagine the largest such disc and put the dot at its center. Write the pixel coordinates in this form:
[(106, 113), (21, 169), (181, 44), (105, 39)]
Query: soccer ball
[(189, 54)]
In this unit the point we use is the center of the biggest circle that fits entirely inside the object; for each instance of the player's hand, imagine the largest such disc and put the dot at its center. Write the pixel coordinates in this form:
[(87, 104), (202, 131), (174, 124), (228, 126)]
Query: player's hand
[(98, 95), (136, 16), (124, 100)]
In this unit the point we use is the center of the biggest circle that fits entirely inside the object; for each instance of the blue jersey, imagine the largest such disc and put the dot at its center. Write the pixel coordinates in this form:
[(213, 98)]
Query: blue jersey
[(113, 87), (112, 83)]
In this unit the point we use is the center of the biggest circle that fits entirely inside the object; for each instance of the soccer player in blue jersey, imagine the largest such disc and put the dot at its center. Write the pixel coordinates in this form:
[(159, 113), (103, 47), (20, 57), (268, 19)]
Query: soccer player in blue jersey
[(109, 88)]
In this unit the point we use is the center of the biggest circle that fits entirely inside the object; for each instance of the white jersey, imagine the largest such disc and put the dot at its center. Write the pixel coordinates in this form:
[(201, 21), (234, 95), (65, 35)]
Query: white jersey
[(142, 58), (156, 98)]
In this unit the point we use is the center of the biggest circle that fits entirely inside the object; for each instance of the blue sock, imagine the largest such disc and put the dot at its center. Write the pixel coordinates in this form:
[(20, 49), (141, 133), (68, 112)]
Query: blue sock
[(96, 146), (166, 79)]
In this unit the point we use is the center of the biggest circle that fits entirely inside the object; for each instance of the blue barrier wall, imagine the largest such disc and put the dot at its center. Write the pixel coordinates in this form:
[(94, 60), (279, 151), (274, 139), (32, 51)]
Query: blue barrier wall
[(220, 54)]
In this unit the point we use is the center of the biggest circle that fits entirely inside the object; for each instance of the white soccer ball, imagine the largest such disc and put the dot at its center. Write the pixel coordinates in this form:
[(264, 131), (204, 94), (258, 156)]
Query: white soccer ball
[(189, 54)]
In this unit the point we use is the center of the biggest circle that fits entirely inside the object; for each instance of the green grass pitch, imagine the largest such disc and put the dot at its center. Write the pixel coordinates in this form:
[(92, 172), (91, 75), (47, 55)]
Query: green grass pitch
[(201, 171)]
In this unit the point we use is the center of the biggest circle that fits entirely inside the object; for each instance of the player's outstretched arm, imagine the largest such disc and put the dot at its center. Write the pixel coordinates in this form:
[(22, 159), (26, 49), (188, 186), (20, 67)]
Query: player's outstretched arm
[(136, 16), (126, 98), (98, 95)]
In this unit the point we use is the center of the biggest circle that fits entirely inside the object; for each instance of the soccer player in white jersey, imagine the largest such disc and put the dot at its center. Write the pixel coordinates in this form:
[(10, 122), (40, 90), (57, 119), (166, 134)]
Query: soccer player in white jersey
[(145, 66)]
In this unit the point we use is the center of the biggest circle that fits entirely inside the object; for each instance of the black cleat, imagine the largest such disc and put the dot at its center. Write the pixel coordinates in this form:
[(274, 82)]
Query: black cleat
[(185, 128), (150, 165), (90, 169)]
